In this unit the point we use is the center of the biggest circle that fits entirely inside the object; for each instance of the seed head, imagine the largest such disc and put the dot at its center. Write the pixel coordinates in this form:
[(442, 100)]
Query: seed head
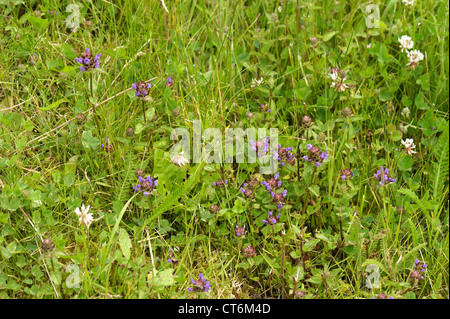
[(249, 252), (130, 132), (347, 112), (214, 209), (307, 122), (81, 118), (139, 172), (48, 245)]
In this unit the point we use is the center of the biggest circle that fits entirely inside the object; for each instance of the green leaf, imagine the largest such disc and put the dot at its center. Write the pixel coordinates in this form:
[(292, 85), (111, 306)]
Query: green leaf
[(302, 93), (53, 105), (125, 243), (385, 95), (410, 295), (328, 36), (37, 22), (406, 101), (405, 163), (69, 170), (164, 278), (420, 102), (208, 75), (89, 141), (68, 52)]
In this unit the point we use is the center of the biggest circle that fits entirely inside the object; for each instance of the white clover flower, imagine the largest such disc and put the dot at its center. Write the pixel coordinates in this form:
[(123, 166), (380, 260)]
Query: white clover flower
[(406, 43), (403, 128), (414, 57), (257, 82), (408, 2), (85, 217), (338, 80), (179, 160), (405, 112), (409, 146)]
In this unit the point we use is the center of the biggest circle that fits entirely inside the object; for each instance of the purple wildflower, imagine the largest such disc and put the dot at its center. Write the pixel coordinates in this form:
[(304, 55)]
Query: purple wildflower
[(271, 219), (169, 82), (260, 147), (346, 174), (316, 155), (88, 61), (200, 285), (220, 183), (284, 155), (240, 231), (383, 176), (146, 185), (248, 193), (142, 88), (107, 146)]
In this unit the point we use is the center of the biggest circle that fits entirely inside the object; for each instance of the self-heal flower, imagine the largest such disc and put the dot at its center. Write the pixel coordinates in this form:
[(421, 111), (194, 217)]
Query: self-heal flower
[(272, 220), (107, 146), (146, 185), (346, 174), (200, 285), (169, 82), (261, 147), (240, 231), (249, 252), (278, 198), (220, 183), (248, 193), (284, 155), (88, 61), (84, 216), (141, 88), (315, 155), (383, 176), (405, 43)]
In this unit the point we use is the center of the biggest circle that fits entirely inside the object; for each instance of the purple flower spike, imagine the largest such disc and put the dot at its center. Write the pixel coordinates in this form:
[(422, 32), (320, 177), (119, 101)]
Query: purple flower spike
[(88, 61), (200, 285), (384, 177), (271, 219), (142, 88)]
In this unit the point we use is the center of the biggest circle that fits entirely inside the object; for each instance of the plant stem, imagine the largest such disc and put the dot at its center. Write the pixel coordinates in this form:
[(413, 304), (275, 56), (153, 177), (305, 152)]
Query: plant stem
[(143, 110), (282, 267)]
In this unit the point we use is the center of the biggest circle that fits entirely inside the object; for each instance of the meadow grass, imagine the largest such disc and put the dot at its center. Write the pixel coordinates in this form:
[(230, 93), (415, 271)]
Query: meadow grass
[(70, 138)]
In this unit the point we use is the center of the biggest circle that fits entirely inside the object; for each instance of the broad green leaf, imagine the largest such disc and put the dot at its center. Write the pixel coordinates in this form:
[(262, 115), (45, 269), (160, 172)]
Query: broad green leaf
[(405, 162), (53, 105), (125, 243)]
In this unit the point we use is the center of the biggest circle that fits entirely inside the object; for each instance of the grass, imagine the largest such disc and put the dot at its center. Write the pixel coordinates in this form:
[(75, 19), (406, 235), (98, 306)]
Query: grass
[(69, 138)]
